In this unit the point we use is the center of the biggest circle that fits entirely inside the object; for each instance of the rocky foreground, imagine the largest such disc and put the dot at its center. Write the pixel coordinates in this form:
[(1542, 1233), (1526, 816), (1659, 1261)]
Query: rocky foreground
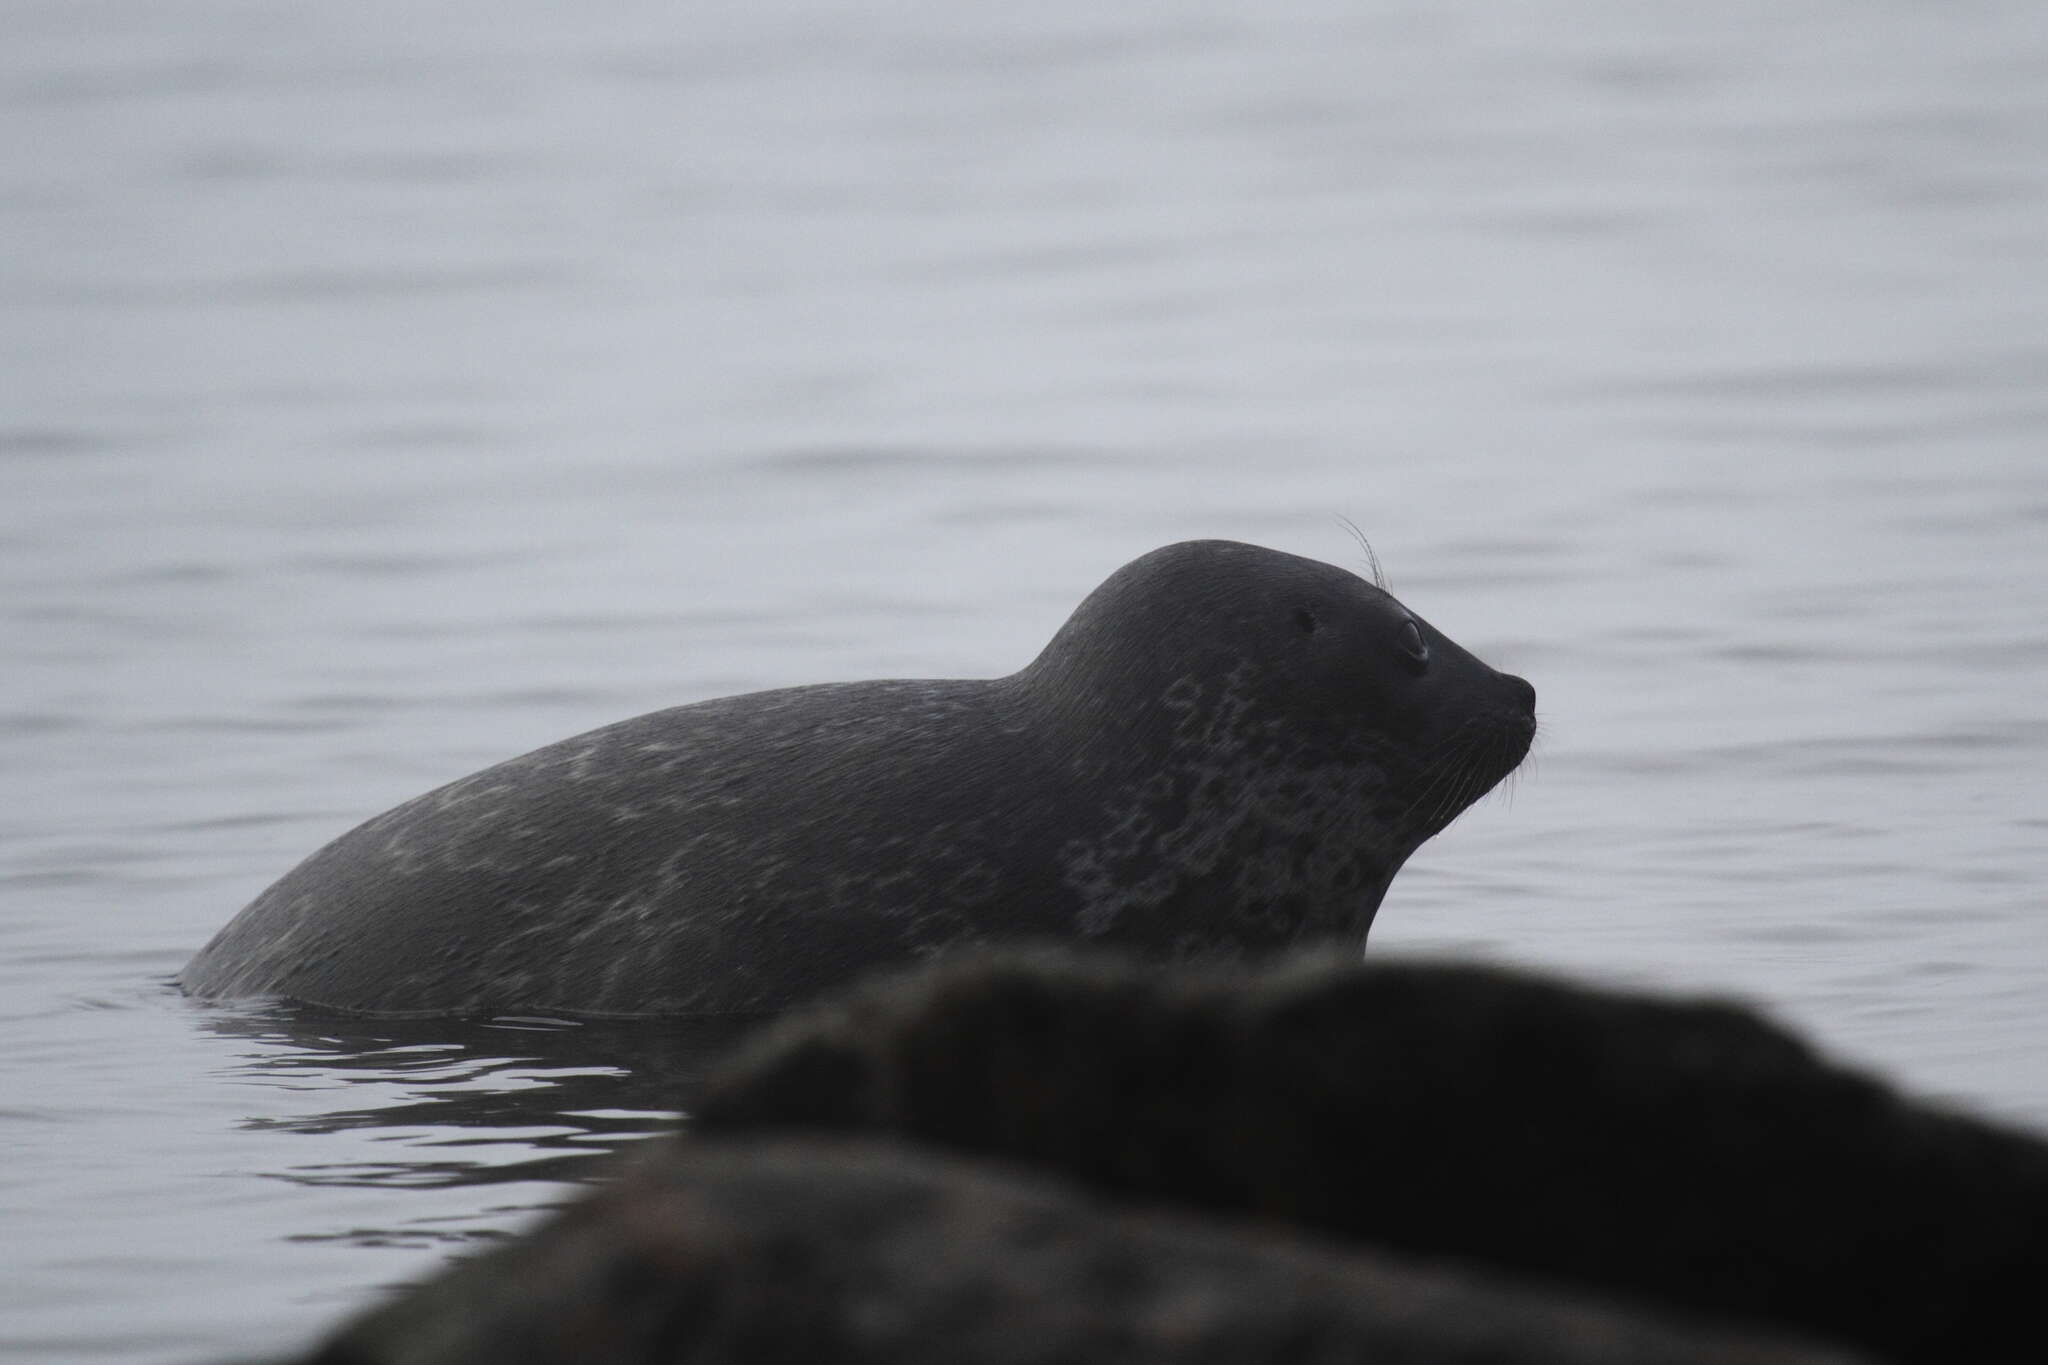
[(1060, 1160)]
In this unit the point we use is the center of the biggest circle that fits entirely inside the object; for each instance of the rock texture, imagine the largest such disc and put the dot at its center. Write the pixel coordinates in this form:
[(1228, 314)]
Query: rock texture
[(717, 1254), (1687, 1154)]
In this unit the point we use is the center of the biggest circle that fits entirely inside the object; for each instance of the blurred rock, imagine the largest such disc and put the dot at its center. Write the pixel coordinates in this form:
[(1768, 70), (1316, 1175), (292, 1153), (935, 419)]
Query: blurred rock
[(1689, 1155), (714, 1252), (1040, 1159)]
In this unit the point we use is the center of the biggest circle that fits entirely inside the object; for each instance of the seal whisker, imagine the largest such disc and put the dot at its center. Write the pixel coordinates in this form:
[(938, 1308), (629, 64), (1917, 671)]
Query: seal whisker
[(1437, 774), (1471, 759), (1379, 577), (1458, 798)]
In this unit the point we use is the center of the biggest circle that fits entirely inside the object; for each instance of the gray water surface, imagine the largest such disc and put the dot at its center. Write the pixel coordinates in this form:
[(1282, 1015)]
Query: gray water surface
[(389, 388)]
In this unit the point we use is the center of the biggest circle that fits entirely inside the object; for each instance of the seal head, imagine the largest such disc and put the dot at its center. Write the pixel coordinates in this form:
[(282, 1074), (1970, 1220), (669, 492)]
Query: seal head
[(1224, 751), (1302, 733)]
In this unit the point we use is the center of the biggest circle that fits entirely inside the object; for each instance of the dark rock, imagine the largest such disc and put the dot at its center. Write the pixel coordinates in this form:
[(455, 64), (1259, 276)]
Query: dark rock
[(716, 1252), (1690, 1155)]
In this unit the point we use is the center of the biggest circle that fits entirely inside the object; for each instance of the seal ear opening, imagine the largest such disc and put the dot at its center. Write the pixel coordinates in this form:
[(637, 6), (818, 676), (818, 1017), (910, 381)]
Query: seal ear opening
[(1306, 620)]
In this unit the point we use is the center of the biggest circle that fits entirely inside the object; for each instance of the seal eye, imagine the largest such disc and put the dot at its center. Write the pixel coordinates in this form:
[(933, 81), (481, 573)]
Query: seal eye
[(1412, 643), (1306, 619)]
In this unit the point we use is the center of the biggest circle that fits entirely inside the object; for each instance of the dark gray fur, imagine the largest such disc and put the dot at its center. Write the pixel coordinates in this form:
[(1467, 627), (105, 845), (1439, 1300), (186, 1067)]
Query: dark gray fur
[(1225, 750)]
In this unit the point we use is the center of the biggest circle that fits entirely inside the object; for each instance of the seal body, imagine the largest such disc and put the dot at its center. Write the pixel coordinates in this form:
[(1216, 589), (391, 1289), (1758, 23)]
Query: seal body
[(1225, 750)]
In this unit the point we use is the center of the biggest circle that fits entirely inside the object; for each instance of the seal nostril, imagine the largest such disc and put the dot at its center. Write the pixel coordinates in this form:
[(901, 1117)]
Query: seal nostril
[(1523, 691)]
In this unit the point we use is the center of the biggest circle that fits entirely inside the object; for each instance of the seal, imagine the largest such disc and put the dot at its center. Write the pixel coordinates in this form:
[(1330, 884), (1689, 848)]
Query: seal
[(1224, 751)]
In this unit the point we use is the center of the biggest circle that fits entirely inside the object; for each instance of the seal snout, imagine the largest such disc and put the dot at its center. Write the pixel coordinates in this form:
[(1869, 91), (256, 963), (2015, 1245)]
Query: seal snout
[(1520, 695), (1521, 691)]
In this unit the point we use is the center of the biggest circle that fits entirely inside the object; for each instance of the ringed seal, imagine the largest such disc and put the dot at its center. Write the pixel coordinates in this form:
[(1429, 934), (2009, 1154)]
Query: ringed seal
[(1225, 750)]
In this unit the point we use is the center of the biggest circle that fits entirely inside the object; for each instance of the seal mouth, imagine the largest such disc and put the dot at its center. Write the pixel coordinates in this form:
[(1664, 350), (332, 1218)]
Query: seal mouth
[(1470, 762)]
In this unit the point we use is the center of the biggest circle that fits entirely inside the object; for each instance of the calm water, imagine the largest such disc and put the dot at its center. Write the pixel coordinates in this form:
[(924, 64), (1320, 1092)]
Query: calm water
[(390, 388)]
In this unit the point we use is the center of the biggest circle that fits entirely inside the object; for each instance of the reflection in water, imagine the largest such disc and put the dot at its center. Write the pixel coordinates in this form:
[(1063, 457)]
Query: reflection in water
[(464, 1102)]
